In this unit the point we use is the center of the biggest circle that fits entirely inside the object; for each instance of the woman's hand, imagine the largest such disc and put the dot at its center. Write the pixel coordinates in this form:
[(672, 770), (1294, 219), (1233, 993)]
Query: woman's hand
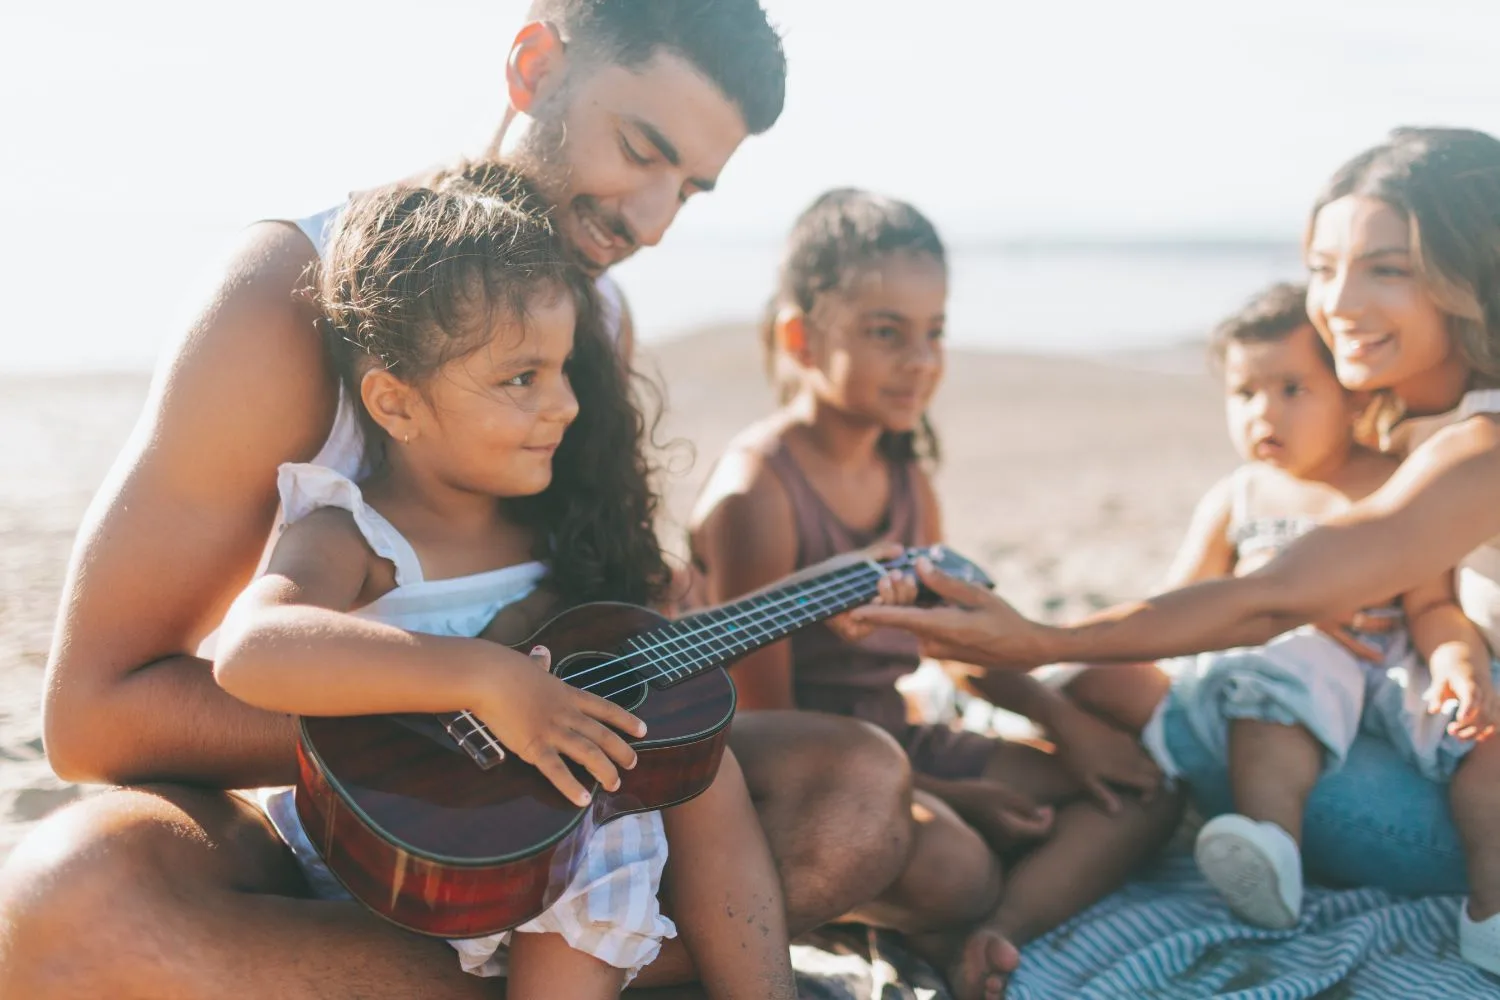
[(542, 719), (971, 626)]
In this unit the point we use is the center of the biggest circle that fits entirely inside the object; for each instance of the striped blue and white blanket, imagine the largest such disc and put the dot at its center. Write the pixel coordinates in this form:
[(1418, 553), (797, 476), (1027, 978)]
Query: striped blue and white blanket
[(1167, 936)]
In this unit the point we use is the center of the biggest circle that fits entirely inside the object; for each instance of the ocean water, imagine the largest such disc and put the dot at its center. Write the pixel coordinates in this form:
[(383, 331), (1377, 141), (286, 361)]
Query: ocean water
[(1042, 298), (1049, 297)]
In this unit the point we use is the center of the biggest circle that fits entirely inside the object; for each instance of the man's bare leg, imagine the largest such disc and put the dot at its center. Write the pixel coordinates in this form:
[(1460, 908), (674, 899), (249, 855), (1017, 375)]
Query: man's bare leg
[(726, 895), (834, 797), (172, 892), (951, 882)]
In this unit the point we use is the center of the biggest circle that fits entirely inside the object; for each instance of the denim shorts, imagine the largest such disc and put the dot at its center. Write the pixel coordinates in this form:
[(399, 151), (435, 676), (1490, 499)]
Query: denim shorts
[(1306, 679), (1375, 821)]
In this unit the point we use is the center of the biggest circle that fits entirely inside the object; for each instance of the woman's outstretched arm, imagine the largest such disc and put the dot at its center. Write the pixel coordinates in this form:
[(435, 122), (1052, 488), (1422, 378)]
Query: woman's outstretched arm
[(1442, 503)]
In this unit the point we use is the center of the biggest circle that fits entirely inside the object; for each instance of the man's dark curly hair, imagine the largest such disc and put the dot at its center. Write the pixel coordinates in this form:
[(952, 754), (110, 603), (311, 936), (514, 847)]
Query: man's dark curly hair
[(417, 276), (729, 41)]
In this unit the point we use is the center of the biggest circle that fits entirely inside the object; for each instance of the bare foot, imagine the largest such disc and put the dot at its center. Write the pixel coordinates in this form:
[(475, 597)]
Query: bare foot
[(983, 965)]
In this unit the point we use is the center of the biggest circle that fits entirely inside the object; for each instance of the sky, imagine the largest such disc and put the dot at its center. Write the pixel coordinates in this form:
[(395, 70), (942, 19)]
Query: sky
[(137, 139)]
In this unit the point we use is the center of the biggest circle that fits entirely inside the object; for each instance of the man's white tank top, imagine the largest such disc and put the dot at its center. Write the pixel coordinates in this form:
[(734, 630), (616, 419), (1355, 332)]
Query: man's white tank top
[(343, 451)]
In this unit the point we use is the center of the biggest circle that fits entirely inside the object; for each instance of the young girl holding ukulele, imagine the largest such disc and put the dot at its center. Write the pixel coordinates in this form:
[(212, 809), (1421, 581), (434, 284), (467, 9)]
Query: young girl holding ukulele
[(503, 455)]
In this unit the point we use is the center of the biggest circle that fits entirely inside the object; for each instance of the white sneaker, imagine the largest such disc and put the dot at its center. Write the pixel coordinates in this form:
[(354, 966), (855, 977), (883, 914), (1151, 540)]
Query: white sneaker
[(1479, 941), (1257, 868)]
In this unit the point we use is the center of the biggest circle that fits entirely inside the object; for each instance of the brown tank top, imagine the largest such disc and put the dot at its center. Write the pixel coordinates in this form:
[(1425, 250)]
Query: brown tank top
[(829, 674)]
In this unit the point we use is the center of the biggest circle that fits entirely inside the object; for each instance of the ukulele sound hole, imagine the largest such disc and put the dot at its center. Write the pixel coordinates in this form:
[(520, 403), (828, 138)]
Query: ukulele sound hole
[(615, 682)]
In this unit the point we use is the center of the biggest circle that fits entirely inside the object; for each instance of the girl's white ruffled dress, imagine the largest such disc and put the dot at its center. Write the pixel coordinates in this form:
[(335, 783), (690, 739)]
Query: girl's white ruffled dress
[(610, 909)]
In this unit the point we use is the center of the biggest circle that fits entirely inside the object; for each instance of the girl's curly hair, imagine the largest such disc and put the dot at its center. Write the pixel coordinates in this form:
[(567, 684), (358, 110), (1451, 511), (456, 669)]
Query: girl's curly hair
[(417, 276), (841, 233)]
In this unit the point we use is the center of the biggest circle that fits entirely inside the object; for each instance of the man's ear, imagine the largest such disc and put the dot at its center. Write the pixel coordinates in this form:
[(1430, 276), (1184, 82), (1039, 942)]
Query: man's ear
[(536, 56)]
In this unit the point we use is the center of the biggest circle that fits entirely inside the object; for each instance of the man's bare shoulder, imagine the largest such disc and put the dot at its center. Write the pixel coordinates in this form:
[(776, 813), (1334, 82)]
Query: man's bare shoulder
[(248, 384), (178, 527)]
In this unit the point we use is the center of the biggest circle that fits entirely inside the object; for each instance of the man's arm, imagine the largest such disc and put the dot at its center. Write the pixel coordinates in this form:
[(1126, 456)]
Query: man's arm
[(175, 532)]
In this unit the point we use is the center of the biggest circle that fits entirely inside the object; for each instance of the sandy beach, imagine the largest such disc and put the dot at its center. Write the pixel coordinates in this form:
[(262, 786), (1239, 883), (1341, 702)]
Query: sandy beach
[(1070, 480)]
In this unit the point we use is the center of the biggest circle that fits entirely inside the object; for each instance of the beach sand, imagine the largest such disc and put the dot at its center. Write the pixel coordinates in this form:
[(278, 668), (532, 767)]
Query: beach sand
[(1070, 480)]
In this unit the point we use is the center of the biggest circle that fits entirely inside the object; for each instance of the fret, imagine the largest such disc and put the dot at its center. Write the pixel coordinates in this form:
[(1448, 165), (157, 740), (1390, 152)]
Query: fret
[(778, 626), (709, 638), (643, 651), (679, 655), (755, 628)]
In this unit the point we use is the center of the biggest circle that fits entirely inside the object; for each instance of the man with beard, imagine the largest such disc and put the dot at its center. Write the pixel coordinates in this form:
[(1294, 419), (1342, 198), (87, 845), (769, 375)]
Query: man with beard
[(621, 110)]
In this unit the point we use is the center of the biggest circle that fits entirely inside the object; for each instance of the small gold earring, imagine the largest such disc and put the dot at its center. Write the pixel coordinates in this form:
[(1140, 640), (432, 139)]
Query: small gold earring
[(406, 439)]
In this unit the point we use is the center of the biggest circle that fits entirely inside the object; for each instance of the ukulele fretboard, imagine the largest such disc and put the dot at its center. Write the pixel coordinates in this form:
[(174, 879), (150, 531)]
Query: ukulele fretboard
[(688, 646), (708, 639)]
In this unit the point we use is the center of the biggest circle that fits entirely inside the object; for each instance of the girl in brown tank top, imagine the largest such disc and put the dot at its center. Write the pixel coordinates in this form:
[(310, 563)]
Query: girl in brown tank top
[(840, 463), (831, 674), (855, 343)]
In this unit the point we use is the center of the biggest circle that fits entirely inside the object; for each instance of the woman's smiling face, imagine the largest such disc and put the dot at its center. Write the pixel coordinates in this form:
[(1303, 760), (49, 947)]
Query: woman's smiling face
[(1369, 303)]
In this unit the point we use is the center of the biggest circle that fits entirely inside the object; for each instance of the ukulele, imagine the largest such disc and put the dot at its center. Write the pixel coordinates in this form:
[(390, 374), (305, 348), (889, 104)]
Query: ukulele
[(428, 822)]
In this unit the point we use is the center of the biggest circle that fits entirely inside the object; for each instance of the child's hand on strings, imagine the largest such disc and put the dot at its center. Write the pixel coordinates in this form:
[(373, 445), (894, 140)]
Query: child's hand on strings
[(895, 588), (542, 719)]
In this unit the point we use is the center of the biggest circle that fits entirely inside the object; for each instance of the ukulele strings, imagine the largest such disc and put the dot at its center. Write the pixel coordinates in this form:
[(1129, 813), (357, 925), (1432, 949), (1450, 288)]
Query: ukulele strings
[(837, 585), (738, 613), (841, 585)]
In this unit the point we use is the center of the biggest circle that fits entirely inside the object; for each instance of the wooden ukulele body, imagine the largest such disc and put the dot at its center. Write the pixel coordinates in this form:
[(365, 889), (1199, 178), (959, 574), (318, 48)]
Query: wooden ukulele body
[(417, 831)]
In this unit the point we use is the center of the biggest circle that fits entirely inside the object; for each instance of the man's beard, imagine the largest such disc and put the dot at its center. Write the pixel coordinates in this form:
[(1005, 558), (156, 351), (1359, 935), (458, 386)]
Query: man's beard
[(540, 151)]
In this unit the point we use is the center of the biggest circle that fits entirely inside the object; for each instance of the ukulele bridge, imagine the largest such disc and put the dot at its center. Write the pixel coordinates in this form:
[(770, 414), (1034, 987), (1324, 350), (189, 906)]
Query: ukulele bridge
[(474, 739)]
